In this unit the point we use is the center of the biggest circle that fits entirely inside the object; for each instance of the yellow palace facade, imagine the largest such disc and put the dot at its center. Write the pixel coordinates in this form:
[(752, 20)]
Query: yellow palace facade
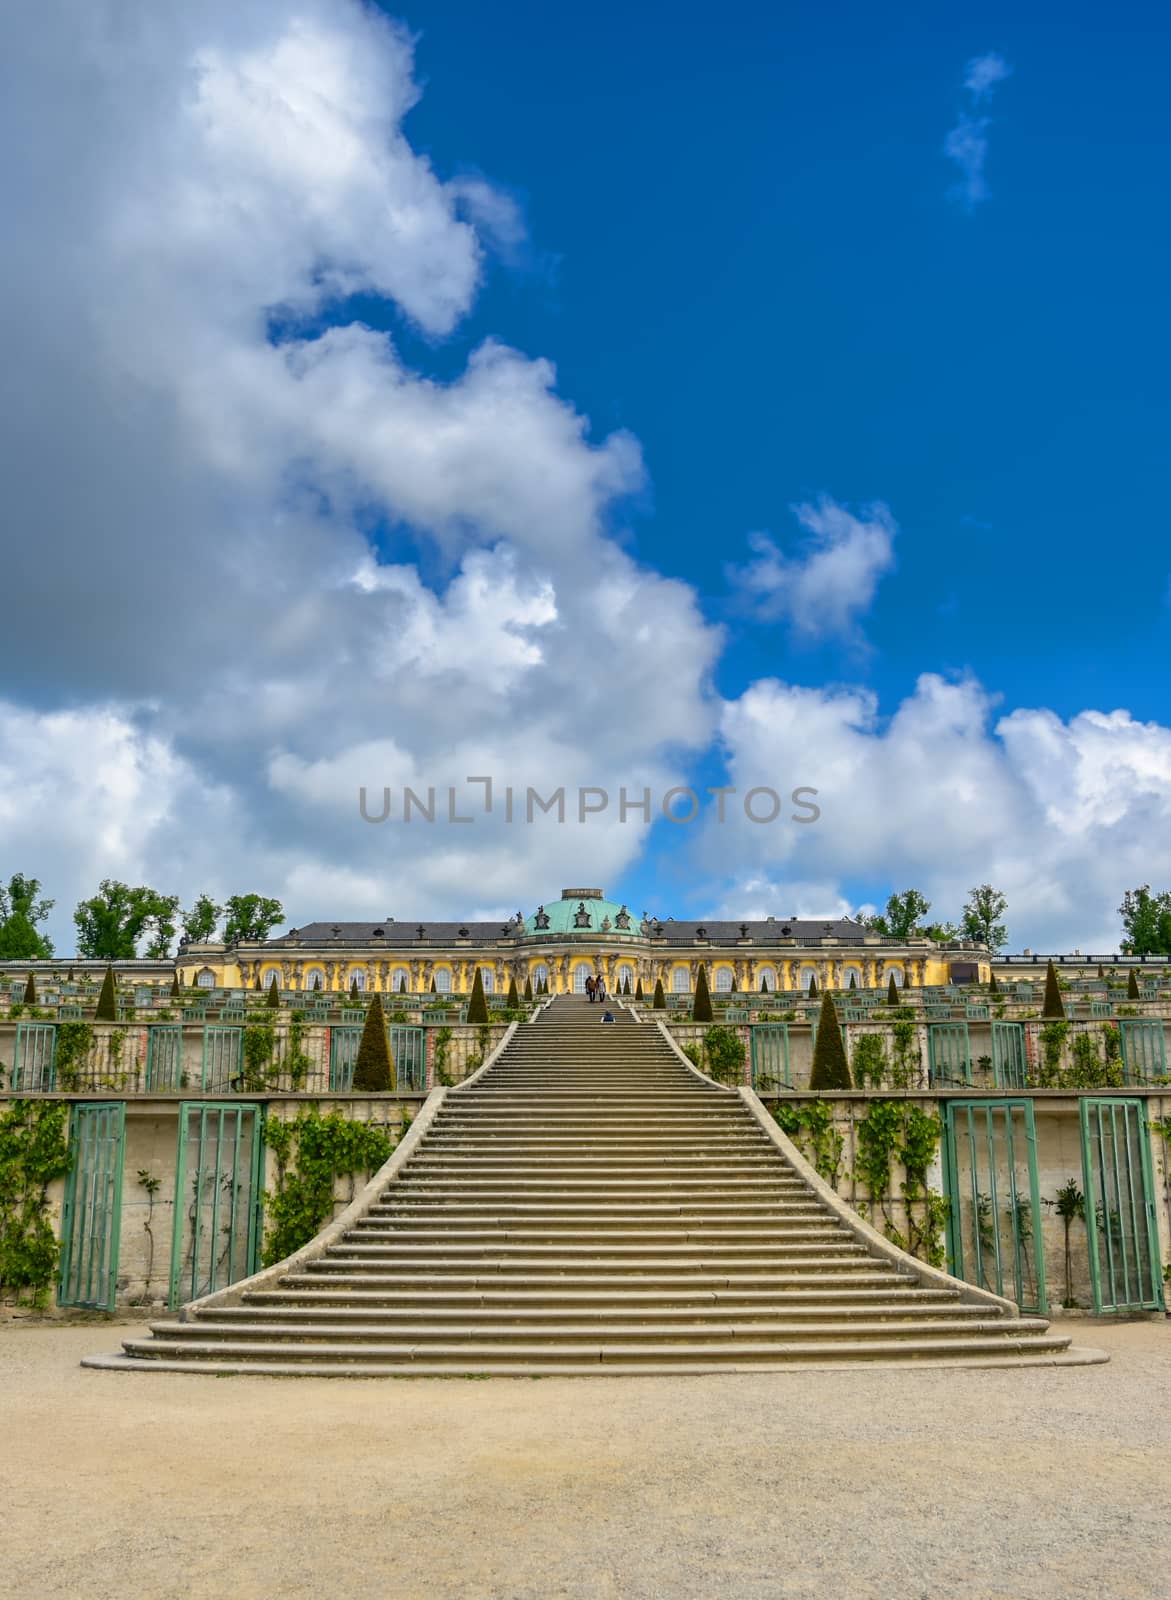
[(582, 934)]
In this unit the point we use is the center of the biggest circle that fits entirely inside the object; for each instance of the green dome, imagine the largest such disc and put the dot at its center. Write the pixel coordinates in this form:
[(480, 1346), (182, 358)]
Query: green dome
[(568, 916)]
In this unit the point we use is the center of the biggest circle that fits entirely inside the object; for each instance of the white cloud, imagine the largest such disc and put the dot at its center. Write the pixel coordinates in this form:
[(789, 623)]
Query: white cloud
[(967, 143), (823, 590), (1062, 815)]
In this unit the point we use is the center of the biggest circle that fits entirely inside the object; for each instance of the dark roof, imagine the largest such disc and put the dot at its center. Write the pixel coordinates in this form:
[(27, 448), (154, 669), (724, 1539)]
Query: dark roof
[(803, 930), (396, 935)]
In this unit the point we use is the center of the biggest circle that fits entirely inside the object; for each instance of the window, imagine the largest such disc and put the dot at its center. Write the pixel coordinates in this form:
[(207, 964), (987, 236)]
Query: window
[(580, 974), (724, 980), (488, 980), (681, 981), (206, 979), (540, 975), (358, 977), (851, 972), (897, 974), (807, 976), (400, 980), (625, 974), (442, 980), (766, 980), (313, 979)]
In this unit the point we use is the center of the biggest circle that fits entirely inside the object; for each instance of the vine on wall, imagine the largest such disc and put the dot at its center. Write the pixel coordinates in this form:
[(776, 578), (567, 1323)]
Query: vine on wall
[(811, 1128), (33, 1152), (312, 1153)]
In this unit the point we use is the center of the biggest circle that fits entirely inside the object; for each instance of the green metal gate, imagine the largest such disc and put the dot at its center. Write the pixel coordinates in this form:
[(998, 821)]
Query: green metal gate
[(1009, 1058), (34, 1056), (223, 1053), (218, 1193), (949, 1054), (91, 1217), (1144, 1052), (1120, 1206), (770, 1056), (994, 1202), (164, 1057)]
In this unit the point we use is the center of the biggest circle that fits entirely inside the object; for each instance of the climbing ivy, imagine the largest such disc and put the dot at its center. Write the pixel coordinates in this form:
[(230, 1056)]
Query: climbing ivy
[(33, 1152), (74, 1043), (810, 1125), (312, 1152), (443, 1040)]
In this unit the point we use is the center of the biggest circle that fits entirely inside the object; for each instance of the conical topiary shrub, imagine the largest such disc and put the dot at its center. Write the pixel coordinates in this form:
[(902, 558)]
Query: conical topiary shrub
[(433, 988), (374, 1068), (477, 1005), (853, 980), (176, 992), (402, 986), (354, 995), (735, 985), (317, 982), (701, 1010), (30, 991), (638, 994), (892, 991), (1054, 1008), (107, 1008), (830, 1069), (813, 991), (764, 985), (513, 998), (993, 986), (273, 998), (528, 990), (257, 984), (1133, 992), (660, 1000)]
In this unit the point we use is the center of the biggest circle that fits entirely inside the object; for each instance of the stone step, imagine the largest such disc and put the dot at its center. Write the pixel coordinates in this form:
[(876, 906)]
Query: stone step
[(549, 1301), (511, 1278)]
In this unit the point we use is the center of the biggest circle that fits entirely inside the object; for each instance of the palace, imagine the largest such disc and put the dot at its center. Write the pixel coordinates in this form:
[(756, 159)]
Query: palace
[(563, 942)]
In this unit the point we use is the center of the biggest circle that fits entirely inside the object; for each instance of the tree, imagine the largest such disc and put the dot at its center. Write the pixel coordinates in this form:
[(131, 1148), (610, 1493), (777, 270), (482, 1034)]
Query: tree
[(112, 922), (982, 913), (1053, 1009), (354, 994), (199, 924), (317, 981), (20, 911), (993, 986), (107, 1006), (892, 991), (30, 991), (903, 916), (273, 998), (1146, 919), (638, 994), (813, 991), (433, 989), (176, 991), (512, 998), (402, 986), (853, 980), (701, 1010), (251, 918), (660, 1001), (477, 1005), (830, 1068), (942, 932), (735, 985), (528, 989), (763, 984), (374, 1068), (1133, 992)]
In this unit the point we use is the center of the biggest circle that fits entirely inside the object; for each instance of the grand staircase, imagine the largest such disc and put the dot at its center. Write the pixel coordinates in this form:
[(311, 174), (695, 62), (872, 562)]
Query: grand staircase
[(589, 1205)]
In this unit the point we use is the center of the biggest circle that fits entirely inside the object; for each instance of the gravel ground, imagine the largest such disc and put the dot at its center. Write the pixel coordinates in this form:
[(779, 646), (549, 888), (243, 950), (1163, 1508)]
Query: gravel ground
[(848, 1485)]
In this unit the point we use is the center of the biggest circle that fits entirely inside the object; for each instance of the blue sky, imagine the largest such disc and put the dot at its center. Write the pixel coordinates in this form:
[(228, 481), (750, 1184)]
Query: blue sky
[(309, 317)]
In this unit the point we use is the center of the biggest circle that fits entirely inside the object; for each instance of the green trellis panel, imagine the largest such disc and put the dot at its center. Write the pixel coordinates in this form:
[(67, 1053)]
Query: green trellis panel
[(343, 1053), (994, 1203), (218, 1195), (91, 1217), (223, 1050), (949, 1053), (1009, 1058), (164, 1057), (33, 1064), (770, 1056), (1125, 1273), (408, 1051), (1144, 1052)]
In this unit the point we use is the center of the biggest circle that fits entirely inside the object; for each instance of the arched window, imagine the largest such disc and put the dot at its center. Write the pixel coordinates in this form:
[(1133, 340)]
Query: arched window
[(205, 979), (625, 971), (358, 976), (681, 981), (807, 976), (580, 974), (897, 974), (442, 980), (723, 980), (766, 980), (313, 978), (400, 981), (540, 975), (851, 972), (489, 980)]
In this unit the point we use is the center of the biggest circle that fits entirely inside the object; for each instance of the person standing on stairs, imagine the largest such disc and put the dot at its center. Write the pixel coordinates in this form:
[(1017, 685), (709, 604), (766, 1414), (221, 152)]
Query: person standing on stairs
[(589, 989)]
